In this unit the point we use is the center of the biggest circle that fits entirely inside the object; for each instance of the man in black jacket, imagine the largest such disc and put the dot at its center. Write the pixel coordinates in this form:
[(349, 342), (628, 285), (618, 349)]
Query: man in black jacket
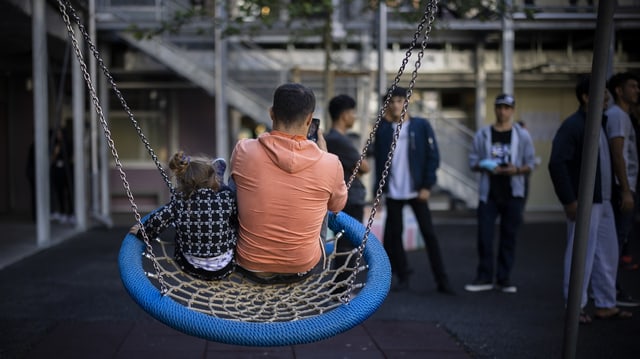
[(602, 247)]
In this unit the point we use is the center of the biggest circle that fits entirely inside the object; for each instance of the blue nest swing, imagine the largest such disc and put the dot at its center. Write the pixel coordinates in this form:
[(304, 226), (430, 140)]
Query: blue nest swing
[(236, 310), (343, 317)]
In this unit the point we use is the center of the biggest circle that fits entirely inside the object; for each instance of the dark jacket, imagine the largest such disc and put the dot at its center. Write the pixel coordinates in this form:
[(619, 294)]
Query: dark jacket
[(566, 159), (424, 158), (343, 147), (205, 223)]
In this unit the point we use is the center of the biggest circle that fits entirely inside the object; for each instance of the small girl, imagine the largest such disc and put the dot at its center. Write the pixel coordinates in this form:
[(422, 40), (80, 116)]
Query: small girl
[(204, 213)]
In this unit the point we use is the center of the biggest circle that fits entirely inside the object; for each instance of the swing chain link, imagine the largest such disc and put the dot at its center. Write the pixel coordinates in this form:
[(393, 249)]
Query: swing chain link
[(64, 5), (426, 25)]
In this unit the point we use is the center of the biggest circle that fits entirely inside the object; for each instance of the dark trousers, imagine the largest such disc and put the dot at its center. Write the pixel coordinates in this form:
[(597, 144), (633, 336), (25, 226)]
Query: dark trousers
[(393, 238), (344, 245), (510, 213), (63, 188), (624, 220), (355, 210), (624, 226)]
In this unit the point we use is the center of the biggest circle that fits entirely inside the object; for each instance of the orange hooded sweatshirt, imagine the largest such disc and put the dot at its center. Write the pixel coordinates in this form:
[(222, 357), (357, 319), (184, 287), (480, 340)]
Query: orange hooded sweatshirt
[(285, 185)]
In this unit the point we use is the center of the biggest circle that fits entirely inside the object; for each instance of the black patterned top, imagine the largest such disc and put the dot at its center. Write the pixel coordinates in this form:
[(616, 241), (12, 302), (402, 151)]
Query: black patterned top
[(205, 223)]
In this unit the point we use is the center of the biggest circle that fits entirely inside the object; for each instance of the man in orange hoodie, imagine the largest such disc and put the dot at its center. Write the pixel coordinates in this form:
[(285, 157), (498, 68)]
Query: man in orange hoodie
[(285, 186)]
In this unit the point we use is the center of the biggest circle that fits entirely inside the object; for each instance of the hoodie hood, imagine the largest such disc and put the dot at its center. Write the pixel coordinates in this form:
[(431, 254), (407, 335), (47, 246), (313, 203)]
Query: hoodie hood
[(289, 152)]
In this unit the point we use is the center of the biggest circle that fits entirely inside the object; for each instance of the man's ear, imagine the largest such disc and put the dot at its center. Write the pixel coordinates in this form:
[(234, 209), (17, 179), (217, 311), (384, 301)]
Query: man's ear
[(307, 120), (619, 91), (585, 98), (271, 115)]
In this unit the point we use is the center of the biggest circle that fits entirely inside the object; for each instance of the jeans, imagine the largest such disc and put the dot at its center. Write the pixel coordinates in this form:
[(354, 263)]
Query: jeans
[(510, 213), (393, 238), (357, 212), (280, 278)]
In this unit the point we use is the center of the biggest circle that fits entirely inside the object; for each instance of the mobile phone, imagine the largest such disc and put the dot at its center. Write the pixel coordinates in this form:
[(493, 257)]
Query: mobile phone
[(313, 130)]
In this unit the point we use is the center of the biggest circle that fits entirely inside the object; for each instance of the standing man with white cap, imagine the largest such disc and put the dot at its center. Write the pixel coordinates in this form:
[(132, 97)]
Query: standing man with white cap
[(503, 154)]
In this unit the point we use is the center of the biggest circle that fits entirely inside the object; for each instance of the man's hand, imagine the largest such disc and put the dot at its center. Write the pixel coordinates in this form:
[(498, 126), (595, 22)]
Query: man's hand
[(626, 201), (571, 210), (508, 170), (322, 144), (134, 230), (424, 195)]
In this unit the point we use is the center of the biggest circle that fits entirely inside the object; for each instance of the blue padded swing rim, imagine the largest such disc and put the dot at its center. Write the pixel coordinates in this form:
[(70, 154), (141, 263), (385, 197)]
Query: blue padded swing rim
[(302, 331)]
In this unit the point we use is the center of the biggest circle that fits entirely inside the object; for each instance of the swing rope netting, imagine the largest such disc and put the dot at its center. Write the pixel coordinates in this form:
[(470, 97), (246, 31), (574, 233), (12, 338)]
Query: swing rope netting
[(237, 310)]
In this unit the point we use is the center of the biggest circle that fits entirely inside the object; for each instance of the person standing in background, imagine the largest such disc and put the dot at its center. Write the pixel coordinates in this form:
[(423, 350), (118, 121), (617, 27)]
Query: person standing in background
[(565, 163), (624, 156), (342, 110), (411, 176), (503, 154)]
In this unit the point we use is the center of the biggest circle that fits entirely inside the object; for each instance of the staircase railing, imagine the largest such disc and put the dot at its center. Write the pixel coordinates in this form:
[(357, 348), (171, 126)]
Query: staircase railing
[(455, 176), (136, 11)]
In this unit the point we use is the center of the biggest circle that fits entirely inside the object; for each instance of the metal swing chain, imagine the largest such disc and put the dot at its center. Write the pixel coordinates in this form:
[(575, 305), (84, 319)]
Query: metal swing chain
[(427, 20), (105, 127)]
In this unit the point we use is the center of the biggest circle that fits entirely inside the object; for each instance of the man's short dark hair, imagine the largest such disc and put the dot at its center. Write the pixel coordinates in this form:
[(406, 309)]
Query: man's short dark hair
[(293, 102), (396, 92), (618, 80), (582, 87), (340, 104)]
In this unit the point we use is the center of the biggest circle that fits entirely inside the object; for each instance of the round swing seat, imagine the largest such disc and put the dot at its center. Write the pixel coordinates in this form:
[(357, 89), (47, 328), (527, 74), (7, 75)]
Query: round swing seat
[(270, 315)]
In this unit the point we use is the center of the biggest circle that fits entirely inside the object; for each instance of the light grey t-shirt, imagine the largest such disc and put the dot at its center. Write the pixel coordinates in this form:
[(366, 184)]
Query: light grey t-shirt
[(605, 166), (619, 125)]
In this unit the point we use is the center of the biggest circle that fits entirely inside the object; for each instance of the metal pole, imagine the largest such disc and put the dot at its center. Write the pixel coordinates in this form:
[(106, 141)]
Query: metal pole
[(603, 32), (382, 49), (365, 88), (95, 189), (507, 47), (222, 119), (481, 85), (612, 52), (41, 122), (79, 179), (105, 193)]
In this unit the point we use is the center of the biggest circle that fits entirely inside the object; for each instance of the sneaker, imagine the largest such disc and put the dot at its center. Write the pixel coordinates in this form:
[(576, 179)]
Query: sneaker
[(506, 287), (625, 300), (478, 286)]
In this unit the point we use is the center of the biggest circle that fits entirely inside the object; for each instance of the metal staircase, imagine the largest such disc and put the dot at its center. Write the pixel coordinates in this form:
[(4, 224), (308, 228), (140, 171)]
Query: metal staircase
[(258, 71), (455, 178), (186, 65)]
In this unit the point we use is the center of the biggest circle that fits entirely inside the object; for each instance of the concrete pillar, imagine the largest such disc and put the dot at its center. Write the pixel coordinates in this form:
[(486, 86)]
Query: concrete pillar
[(222, 118), (507, 47), (41, 122), (481, 85), (382, 49), (93, 121), (79, 150), (103, 149)]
